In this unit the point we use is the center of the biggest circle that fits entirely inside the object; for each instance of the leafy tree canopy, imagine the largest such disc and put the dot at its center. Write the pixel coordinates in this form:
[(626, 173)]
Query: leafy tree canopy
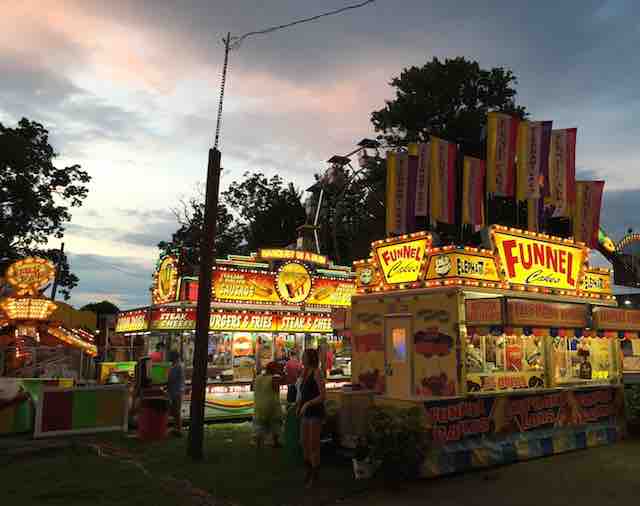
[(269, 210), (101, 308), (36, 197), (449, 99)]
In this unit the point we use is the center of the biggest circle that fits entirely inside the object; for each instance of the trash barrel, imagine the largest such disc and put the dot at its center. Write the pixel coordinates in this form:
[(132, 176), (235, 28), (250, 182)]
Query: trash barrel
[(153, 418), (292, 443)]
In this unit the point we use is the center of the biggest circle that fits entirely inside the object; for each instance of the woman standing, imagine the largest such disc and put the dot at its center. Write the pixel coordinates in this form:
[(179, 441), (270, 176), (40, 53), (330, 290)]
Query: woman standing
[(311, 411)]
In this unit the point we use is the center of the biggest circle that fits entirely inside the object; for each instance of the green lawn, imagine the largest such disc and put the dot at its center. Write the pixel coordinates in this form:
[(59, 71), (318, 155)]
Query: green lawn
[(232, 472)]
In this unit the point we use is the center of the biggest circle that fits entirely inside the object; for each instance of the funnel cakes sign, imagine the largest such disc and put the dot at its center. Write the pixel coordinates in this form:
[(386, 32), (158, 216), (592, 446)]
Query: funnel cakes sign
[(530, 259), (403, 260)]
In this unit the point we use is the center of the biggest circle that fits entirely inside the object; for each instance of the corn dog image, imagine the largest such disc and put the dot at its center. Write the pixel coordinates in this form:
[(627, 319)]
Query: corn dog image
[(324, 293), (260, 289)]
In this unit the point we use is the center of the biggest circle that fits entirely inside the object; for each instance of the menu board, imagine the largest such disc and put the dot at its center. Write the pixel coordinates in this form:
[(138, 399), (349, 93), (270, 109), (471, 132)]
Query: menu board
[(244, 286), (331, 292)]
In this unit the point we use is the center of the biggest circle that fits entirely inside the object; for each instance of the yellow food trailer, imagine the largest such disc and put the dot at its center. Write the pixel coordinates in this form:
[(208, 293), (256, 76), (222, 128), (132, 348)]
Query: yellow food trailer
[(506, 348)]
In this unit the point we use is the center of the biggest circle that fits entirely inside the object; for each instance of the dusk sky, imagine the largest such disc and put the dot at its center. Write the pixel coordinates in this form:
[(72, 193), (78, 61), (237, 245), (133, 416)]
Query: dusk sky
[(129, 91)]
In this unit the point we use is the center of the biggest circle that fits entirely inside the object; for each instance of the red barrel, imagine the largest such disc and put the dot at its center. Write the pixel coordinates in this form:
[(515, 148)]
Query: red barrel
[(153, 419)]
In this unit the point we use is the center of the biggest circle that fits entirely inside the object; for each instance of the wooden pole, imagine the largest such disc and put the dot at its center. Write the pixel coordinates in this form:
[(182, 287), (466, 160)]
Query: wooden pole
[(207, 244)]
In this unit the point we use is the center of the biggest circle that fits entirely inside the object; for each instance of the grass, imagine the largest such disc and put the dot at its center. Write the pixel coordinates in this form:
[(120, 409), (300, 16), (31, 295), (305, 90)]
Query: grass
[(233, 471)]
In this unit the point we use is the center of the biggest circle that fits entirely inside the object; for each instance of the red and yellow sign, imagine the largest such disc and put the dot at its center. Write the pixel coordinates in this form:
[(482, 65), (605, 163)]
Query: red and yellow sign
[(484, 312), (521, 312), (477, 382), (245, 286), (30, 275), (616, 319), (242, 321), (462, 265), (538, 262), (132, 321), (404, 260), (293, 283), (291, 254), (332, 292), (596, 281), (166, 281)]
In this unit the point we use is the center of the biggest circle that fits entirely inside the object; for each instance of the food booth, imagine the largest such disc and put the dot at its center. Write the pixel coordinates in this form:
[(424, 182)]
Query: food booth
[(44, 365), (507, 349), (263, 306)]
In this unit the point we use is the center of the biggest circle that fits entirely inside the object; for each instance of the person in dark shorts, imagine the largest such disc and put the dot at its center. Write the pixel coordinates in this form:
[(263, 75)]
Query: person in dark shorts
[(311, 411), (175, 389)]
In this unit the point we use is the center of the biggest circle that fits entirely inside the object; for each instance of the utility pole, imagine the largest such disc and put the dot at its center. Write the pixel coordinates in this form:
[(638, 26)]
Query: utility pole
[(203, 314), (56, 278)]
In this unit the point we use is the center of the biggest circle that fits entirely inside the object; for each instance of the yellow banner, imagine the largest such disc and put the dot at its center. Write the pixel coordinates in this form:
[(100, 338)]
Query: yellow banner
[(596, 282), (291, 254), (402, 262), (538, 262), (332, 292), (462, 265)]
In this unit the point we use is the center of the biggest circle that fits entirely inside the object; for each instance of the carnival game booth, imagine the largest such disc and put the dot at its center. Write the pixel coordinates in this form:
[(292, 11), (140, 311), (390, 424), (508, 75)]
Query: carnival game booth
[(263, 307), (44, 364), (499, 346)]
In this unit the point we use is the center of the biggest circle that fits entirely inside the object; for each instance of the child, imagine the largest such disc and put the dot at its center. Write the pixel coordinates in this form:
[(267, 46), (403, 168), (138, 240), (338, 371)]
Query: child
[(267, 417)]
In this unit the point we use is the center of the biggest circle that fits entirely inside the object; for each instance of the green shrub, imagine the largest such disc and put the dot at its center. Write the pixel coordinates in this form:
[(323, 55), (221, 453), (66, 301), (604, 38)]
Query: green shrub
[(632, 402), (396, 440)]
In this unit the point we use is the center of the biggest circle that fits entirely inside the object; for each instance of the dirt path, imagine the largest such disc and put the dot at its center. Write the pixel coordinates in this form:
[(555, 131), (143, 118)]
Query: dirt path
[(596, 477)]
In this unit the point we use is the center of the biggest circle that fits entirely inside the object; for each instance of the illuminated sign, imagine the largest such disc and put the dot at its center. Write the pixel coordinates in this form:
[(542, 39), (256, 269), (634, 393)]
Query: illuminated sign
[(504, 381), (402, 261), (67, 337), (243, 321), (546, 314), (293, 283), (166, 281), (240, 321), (332, 292), (29, 275), (538, 262), (290, 254), (132, 321), (245, 286), (462, 265), (596, 282), (27, 308), (367, 275), (616, 319), (173, 320)]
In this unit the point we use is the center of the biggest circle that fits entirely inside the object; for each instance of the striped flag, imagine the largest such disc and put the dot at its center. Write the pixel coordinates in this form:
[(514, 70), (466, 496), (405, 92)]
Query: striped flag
[(422, 179), (397, 186), (533, 158), (473, 177), (501, 151), (442, 187), (586, 215), (561, 183), (412, 180)]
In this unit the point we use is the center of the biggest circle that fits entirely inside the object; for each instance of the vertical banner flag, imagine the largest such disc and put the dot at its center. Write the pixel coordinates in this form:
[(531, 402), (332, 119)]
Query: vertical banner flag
[(533, 158), (561, 184), (400, 208), (501, 150), (586, 215), (422, 179), (473, 177), (533, 215), (412, 182), (442, 187), (390, 191)]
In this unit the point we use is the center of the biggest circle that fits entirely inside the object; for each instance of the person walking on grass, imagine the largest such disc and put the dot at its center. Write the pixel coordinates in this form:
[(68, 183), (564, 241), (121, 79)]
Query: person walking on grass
[(311, 411), (267, 417), (175, 389)]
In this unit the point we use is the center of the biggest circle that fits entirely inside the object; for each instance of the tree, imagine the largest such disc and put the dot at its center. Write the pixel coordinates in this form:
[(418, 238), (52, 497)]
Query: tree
[(186, 239), (269, 210), (448, 99), (36, 196), (101, 308)]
